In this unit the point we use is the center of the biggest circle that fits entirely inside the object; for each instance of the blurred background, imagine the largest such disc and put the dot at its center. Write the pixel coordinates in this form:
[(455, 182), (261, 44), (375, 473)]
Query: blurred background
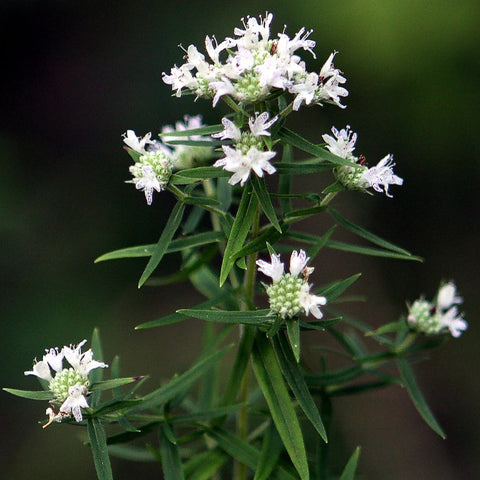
[(77, 75)]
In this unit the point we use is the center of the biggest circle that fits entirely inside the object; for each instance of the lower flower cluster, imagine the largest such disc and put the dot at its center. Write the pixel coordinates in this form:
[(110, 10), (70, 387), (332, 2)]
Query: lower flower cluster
[(289, 294), (69, 386), (439, 316)]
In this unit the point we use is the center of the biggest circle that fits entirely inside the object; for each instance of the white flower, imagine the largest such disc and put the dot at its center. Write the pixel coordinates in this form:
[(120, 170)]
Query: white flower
[(310, 303), (260, 124), (147, 183), (75, 402), (446, 296), (242, 164), (305, 90), (274, 269), (137, 143), (222, 87), (298, 261), (381, 175), (453, 322), (230, 131), (343, 142), (68, 385), (289, 293)]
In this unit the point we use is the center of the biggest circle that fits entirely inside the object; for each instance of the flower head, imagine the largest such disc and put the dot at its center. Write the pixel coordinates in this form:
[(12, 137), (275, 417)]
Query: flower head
[(440, 316), (68, 385), (248, 152), (358, 176), (289, 293), (254, 64)]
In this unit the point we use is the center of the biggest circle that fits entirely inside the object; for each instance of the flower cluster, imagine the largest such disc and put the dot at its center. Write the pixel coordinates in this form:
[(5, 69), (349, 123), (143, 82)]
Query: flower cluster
[(69, 386), (289, 293), (248, 152), (358, 176), (154, 161), (438, 316), (255, 65)]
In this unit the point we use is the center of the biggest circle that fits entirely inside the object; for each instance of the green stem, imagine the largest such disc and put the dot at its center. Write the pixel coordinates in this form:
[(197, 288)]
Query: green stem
[(240, 469), (328, 198)]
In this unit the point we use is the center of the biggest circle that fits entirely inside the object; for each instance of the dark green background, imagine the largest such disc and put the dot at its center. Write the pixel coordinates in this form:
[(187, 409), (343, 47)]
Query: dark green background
[(76, 75)]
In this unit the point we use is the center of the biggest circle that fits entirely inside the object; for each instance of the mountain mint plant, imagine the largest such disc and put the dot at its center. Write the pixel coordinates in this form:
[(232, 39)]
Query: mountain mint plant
[(236, 215)]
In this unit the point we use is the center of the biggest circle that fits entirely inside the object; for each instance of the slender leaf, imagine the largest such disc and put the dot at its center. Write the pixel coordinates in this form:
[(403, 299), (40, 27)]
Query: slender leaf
[(271, 235), (270, 380), (178, 317), (163, 242), (271, 448), (375, 252), (361, 232), (200, 173), (113, 383), (349, 470), (265, 201), (294, 377), (244, 219), (204, 465), (179, 384), (417, 397), (334, 290), (207, 130), (301, 143), (171, 464), (131, 453), (30, 394), (312, 252), (302, 168), (255, 317), (293, 332), (96, 375), (196, 143), (240, 365), (98, 443)]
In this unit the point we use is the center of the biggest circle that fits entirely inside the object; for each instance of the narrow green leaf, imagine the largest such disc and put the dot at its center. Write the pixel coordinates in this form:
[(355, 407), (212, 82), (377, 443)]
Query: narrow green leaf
[(302, 168), (301, 143), (131, 453), (242, 451), (171, 464), (391, 327), (349, 470), (305, 212), (98, 443), (204, 465), (334, 290), (200, 173), (241, 226), (163, 242), (178, 317), (362, 232), (271, 448), (270, 235), (196, 143), (115, 407), (113, 383), (179, 384), (375, 252), (240, 366), (254, 317), (312, 252), (200, 200), (416, 395), (96, 375), (293, 332), (270, 380), (294, 377), (265, 201), (207, 130), (30, 394), (334, 187)]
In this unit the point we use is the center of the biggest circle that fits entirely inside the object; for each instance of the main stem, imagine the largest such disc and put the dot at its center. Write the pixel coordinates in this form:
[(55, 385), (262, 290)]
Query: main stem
[(240, 469)]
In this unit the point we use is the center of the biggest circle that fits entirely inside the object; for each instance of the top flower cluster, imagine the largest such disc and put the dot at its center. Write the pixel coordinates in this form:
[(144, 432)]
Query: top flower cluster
[(256, 66)]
